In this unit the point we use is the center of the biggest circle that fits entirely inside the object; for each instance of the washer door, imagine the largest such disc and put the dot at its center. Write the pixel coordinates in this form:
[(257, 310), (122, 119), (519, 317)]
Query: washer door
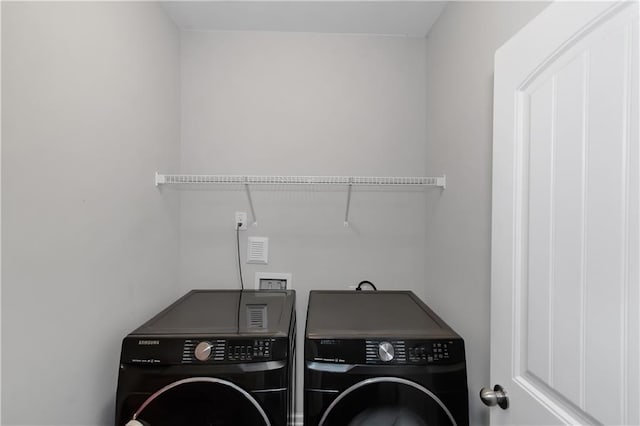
[(385, 401), (201, 401)]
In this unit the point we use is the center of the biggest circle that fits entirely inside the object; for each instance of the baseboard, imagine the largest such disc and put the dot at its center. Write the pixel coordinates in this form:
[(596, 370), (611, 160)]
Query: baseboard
[(298, 420)]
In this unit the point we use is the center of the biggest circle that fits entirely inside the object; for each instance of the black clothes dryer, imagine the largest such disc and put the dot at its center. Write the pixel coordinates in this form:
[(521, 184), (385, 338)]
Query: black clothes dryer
[(213, 358), (381, 358)]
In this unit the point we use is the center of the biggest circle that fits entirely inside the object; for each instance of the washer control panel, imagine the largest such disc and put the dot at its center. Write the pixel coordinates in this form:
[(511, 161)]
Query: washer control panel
[(242, 350), (257, 349), (202, 350)]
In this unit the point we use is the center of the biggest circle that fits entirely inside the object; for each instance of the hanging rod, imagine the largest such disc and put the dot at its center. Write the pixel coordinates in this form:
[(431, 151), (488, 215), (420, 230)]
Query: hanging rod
[(439, 181)]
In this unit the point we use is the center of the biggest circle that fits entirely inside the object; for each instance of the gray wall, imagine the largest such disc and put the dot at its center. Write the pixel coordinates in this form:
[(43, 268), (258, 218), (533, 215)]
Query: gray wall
[(90, 109), (460, 50), (305, 104)]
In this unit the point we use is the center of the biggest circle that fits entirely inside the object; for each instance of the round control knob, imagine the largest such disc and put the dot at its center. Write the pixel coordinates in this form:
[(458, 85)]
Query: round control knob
[(203, 351), (386, 351)]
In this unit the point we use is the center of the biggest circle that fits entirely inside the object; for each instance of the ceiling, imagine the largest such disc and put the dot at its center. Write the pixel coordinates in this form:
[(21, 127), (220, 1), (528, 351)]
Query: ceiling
[(405, 18)]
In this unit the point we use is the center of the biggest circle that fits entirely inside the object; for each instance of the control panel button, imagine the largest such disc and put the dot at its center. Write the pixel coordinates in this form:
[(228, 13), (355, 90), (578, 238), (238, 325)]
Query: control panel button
[(203, 351), (386, 351)]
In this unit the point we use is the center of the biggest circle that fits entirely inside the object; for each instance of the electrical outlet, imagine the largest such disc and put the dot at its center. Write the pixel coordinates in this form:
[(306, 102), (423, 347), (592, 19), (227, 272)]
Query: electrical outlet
[(241, 218)]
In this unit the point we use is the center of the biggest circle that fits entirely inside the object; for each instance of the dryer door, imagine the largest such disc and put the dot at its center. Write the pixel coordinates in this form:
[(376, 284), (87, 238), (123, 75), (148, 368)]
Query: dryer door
[(387, 401), (198, 401)]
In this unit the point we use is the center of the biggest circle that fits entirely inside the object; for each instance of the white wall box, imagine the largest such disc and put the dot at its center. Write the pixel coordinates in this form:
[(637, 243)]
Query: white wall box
[(258, 250), (273, 280)]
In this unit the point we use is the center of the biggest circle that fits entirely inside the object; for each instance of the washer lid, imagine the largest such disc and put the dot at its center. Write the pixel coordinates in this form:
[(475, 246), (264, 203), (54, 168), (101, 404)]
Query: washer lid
[(380, 314), (224, 313)]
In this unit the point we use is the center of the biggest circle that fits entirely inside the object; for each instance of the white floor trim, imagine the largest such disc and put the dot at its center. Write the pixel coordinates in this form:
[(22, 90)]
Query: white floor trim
[(298, 420)]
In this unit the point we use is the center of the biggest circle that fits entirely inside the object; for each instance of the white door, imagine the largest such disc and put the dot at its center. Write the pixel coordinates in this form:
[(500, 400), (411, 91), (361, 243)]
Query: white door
[(565, 295)]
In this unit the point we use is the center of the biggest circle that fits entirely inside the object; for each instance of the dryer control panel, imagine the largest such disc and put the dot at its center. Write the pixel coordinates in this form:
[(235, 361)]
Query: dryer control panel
[(385, 351), (433, 351)]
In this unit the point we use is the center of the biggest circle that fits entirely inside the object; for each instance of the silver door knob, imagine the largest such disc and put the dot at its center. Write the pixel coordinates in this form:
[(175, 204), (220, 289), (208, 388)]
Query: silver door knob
[(497, 396)]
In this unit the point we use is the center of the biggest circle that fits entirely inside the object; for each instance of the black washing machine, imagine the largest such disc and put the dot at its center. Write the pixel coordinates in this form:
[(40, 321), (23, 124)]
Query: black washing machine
[(213, 358), (381, 358)]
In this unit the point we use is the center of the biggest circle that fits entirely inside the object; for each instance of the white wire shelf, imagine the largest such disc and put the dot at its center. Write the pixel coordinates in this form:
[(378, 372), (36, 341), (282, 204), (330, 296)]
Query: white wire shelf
[(348, 181), (439, 181)]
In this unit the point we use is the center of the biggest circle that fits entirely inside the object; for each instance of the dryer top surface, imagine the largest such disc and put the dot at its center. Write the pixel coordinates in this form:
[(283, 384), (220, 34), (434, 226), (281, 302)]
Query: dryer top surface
[(372, 314)]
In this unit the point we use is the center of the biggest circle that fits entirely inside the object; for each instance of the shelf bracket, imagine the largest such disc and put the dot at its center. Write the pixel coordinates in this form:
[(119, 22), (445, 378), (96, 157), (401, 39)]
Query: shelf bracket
[(253, 212), (442, 181), (346, 213), (159, 179)]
